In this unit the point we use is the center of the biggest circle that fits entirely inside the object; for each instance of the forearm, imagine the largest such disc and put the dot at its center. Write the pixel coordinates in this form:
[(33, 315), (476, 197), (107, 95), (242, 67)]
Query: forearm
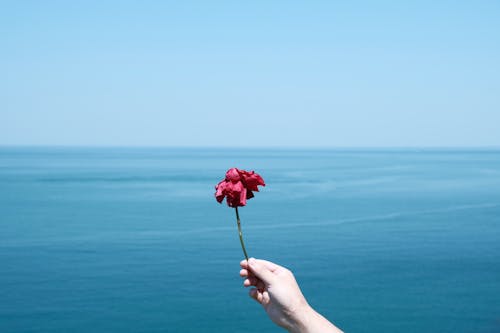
[(310, 321)]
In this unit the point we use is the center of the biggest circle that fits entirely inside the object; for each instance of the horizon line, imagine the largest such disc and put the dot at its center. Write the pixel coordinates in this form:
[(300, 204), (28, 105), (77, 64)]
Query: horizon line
[(357, 147)]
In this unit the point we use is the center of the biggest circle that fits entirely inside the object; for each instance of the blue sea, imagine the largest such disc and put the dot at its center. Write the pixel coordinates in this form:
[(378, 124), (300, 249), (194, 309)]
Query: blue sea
[(132, 239)]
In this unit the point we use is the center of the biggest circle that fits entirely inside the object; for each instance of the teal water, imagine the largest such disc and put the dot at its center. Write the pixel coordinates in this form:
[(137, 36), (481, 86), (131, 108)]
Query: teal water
[(132, 240)]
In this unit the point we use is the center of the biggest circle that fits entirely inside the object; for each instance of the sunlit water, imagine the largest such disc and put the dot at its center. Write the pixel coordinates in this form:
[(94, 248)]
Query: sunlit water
[(132, 240)]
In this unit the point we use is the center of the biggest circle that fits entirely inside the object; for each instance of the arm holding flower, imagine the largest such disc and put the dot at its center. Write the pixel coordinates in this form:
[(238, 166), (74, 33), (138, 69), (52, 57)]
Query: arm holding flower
[(276, 289), (275, 286)]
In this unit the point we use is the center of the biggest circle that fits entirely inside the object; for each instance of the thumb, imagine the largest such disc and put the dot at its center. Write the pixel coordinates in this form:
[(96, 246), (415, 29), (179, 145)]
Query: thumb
[(260, 270)]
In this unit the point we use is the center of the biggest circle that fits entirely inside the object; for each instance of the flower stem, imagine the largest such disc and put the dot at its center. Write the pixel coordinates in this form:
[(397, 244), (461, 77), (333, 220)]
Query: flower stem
[(241, 235)]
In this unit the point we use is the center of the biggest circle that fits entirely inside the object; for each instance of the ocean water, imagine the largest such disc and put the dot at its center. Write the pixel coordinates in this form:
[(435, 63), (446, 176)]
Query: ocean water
[(132, 240)]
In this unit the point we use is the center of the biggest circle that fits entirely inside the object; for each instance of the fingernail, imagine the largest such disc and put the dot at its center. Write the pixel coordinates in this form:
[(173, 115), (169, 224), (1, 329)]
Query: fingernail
[(251, 261)]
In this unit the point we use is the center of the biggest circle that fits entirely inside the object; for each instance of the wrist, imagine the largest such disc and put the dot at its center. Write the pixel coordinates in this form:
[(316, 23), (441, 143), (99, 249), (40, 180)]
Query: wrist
[(300, 318), (310, 321)]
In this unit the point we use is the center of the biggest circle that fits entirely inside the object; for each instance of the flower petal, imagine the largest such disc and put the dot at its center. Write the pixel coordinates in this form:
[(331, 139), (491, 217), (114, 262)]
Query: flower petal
[(233, 175), (251, 180), (220, 191)]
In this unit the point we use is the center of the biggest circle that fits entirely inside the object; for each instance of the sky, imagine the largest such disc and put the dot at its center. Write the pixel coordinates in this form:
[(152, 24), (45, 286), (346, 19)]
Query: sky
[(250, 73)]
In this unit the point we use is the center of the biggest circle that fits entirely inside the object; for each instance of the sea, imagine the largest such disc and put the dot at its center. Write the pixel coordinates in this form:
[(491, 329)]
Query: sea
[(132, 239)]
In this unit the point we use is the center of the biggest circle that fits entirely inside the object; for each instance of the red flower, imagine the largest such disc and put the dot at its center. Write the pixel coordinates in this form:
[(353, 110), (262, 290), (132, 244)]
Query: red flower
[(237, 187)]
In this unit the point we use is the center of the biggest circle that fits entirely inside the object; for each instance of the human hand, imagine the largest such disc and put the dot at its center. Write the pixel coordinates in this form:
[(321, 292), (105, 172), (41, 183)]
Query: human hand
[(276, 289)]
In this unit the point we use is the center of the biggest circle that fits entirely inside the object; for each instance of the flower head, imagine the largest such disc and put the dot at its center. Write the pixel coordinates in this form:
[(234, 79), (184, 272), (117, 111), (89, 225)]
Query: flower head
[(237, 187)]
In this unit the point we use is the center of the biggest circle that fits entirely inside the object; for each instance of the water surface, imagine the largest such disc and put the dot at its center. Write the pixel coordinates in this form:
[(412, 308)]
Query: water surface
[(132, 240)]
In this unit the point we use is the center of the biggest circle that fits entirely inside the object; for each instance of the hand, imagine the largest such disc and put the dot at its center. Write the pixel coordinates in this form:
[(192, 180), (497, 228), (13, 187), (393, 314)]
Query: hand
[(276, 289)]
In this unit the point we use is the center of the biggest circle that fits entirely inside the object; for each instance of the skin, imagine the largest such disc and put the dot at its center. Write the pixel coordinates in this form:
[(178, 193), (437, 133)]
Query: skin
[(276, 289)]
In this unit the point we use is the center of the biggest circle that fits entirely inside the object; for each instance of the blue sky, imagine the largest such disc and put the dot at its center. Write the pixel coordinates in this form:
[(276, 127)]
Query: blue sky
[(257, 73)]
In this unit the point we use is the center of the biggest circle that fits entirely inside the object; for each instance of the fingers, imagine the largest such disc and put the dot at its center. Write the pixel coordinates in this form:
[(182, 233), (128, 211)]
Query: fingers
[(244, 264), (256, 295), (270, 265), (255, 283), (258, 273), (261, 297), (251, 280), (262, 269)]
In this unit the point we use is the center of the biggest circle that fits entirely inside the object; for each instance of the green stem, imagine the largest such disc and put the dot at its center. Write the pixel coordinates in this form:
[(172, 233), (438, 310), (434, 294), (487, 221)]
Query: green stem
[(241, 235)]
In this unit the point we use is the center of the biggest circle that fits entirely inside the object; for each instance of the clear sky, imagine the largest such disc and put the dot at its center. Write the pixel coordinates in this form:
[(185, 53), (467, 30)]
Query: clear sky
[(250, 73)]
